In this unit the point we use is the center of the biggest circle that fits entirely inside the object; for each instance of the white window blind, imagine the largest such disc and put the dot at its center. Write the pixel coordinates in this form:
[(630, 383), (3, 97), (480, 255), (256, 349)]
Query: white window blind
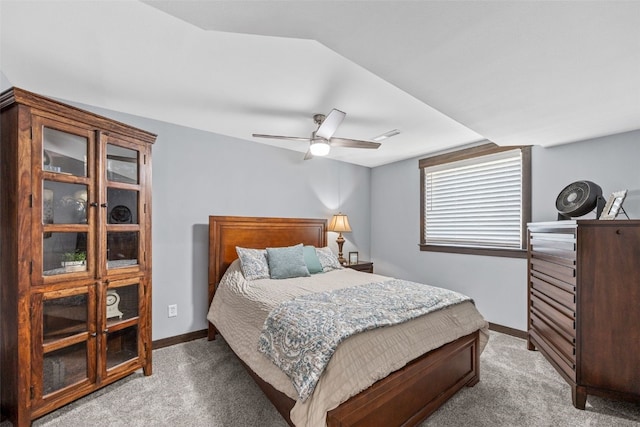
[(476, 202)]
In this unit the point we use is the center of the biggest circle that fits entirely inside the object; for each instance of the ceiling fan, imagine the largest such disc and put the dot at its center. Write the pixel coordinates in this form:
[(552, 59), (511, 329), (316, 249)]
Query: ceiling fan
[(322, 139)]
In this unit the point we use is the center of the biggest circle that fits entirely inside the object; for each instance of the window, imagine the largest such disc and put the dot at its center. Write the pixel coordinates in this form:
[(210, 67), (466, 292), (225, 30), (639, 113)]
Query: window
[(476, 201)]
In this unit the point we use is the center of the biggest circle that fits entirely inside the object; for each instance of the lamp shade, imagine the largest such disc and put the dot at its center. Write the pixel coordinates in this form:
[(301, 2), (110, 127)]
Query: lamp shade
[(339, 223)]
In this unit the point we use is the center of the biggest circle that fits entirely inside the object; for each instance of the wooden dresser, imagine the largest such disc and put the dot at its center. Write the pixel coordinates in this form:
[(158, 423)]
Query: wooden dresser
[(583, 298)]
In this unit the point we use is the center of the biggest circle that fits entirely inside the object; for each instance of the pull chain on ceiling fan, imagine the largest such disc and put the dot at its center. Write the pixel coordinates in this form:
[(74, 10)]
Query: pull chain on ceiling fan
[(322, 139)]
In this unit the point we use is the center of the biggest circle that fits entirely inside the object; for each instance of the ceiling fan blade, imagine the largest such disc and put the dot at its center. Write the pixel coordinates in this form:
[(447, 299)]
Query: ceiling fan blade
[(353, 143), (308, 155), (289, 138), (330, 124)]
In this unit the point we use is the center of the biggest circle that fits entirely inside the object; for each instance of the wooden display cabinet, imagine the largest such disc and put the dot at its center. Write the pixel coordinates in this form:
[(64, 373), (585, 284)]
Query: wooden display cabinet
[(75, 255)]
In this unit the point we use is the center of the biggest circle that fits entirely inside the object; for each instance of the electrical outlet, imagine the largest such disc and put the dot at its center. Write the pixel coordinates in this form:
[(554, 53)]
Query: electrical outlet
[(173, 310)]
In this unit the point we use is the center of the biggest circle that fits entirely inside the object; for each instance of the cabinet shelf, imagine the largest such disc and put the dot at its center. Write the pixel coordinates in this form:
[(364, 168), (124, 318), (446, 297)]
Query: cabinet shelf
[(74, 328)]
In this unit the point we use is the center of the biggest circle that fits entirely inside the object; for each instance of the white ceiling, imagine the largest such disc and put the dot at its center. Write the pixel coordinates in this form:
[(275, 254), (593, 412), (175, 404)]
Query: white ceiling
[(446, 73)]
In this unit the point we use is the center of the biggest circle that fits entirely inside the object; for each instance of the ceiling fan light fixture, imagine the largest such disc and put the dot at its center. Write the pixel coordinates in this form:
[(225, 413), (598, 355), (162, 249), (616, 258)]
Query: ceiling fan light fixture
[(319, 147), (322, 138)]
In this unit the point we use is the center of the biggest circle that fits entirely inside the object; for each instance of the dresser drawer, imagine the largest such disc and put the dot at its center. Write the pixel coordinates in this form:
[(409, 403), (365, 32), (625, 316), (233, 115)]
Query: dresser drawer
[(553, 291), (567, 287), (563, 350), (563, 316), (562, 272), (562, 245), (565, 254), (559, 336), (569, 369)]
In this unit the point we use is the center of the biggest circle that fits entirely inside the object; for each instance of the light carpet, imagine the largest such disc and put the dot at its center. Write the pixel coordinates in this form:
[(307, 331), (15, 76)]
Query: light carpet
[(202, 383)]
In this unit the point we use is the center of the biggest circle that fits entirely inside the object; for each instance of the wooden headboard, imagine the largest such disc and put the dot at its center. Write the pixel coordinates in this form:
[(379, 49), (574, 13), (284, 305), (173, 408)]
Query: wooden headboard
[(227, 232)]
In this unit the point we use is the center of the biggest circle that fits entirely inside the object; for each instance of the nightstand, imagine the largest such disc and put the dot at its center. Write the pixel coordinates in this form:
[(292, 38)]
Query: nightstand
[(366, 266)]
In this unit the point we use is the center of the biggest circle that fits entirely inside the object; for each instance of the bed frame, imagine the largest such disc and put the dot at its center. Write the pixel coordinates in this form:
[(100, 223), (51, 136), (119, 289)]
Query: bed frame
[(405, 397)]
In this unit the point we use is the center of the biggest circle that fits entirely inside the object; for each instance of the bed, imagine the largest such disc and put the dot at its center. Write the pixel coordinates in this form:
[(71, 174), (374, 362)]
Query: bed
[(405, 396)]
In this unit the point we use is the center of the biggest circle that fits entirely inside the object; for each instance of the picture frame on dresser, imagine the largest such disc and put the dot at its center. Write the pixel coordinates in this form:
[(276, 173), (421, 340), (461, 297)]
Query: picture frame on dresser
[(353, 257), (614, 205)]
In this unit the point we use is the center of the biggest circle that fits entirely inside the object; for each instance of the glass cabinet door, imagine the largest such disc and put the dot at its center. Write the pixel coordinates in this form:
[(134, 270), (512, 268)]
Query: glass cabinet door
[(63, 194), (65, 333), (122, 319), (63, 152), (124, 201), (122, 164)]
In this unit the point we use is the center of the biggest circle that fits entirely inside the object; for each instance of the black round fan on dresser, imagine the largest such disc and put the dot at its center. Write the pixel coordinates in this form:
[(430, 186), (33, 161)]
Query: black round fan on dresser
[(579, 198)]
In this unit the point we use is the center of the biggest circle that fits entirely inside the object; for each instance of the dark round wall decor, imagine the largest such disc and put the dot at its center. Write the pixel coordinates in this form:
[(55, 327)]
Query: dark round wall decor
[(578, 199)]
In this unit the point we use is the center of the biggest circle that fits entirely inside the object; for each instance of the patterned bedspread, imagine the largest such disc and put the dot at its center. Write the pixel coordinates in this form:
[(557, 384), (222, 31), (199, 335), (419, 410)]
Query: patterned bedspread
[(301, 335)]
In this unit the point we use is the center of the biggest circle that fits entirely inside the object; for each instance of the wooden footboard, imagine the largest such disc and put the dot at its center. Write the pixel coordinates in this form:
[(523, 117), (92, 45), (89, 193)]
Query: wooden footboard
[(405, 397), (408, 396)]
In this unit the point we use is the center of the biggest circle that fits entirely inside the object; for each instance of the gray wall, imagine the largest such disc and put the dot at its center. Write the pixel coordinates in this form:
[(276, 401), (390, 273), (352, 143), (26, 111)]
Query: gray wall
[(498, 285), (197, 174)]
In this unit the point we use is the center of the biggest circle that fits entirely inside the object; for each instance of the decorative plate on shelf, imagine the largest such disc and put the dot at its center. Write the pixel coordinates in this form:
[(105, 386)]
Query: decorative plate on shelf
[(121, 215)]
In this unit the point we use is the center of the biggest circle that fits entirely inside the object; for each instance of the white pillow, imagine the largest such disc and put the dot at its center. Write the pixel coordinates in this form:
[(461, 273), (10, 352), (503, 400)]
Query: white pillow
[(253, 263), (328, 259)]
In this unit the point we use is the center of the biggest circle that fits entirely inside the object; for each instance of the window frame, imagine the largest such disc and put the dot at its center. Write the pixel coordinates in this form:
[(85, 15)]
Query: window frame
[(468, 153)]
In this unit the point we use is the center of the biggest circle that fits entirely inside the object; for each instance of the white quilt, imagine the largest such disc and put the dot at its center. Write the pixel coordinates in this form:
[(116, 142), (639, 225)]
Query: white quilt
[(240, 308)]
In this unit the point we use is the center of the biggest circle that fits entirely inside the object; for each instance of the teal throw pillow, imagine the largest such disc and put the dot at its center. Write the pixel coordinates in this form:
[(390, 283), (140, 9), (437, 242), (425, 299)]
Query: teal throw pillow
[(311, 259), (287, 262)]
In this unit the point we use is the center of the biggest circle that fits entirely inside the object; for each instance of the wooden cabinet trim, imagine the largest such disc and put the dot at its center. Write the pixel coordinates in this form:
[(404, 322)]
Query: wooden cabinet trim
[(60, 110)]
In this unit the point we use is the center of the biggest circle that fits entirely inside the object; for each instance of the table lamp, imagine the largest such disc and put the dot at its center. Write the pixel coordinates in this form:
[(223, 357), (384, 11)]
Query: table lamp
[(340, 224)]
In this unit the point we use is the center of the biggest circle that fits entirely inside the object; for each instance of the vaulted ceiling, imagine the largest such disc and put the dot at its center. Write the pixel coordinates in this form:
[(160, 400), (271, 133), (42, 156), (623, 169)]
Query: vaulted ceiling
[(445, 74)]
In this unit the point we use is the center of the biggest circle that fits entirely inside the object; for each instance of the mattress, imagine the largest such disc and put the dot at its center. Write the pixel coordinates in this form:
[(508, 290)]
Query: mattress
[(240, 307)]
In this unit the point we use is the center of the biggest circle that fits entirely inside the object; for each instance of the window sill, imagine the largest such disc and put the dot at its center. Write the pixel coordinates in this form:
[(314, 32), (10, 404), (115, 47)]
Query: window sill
[(507, 253)]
